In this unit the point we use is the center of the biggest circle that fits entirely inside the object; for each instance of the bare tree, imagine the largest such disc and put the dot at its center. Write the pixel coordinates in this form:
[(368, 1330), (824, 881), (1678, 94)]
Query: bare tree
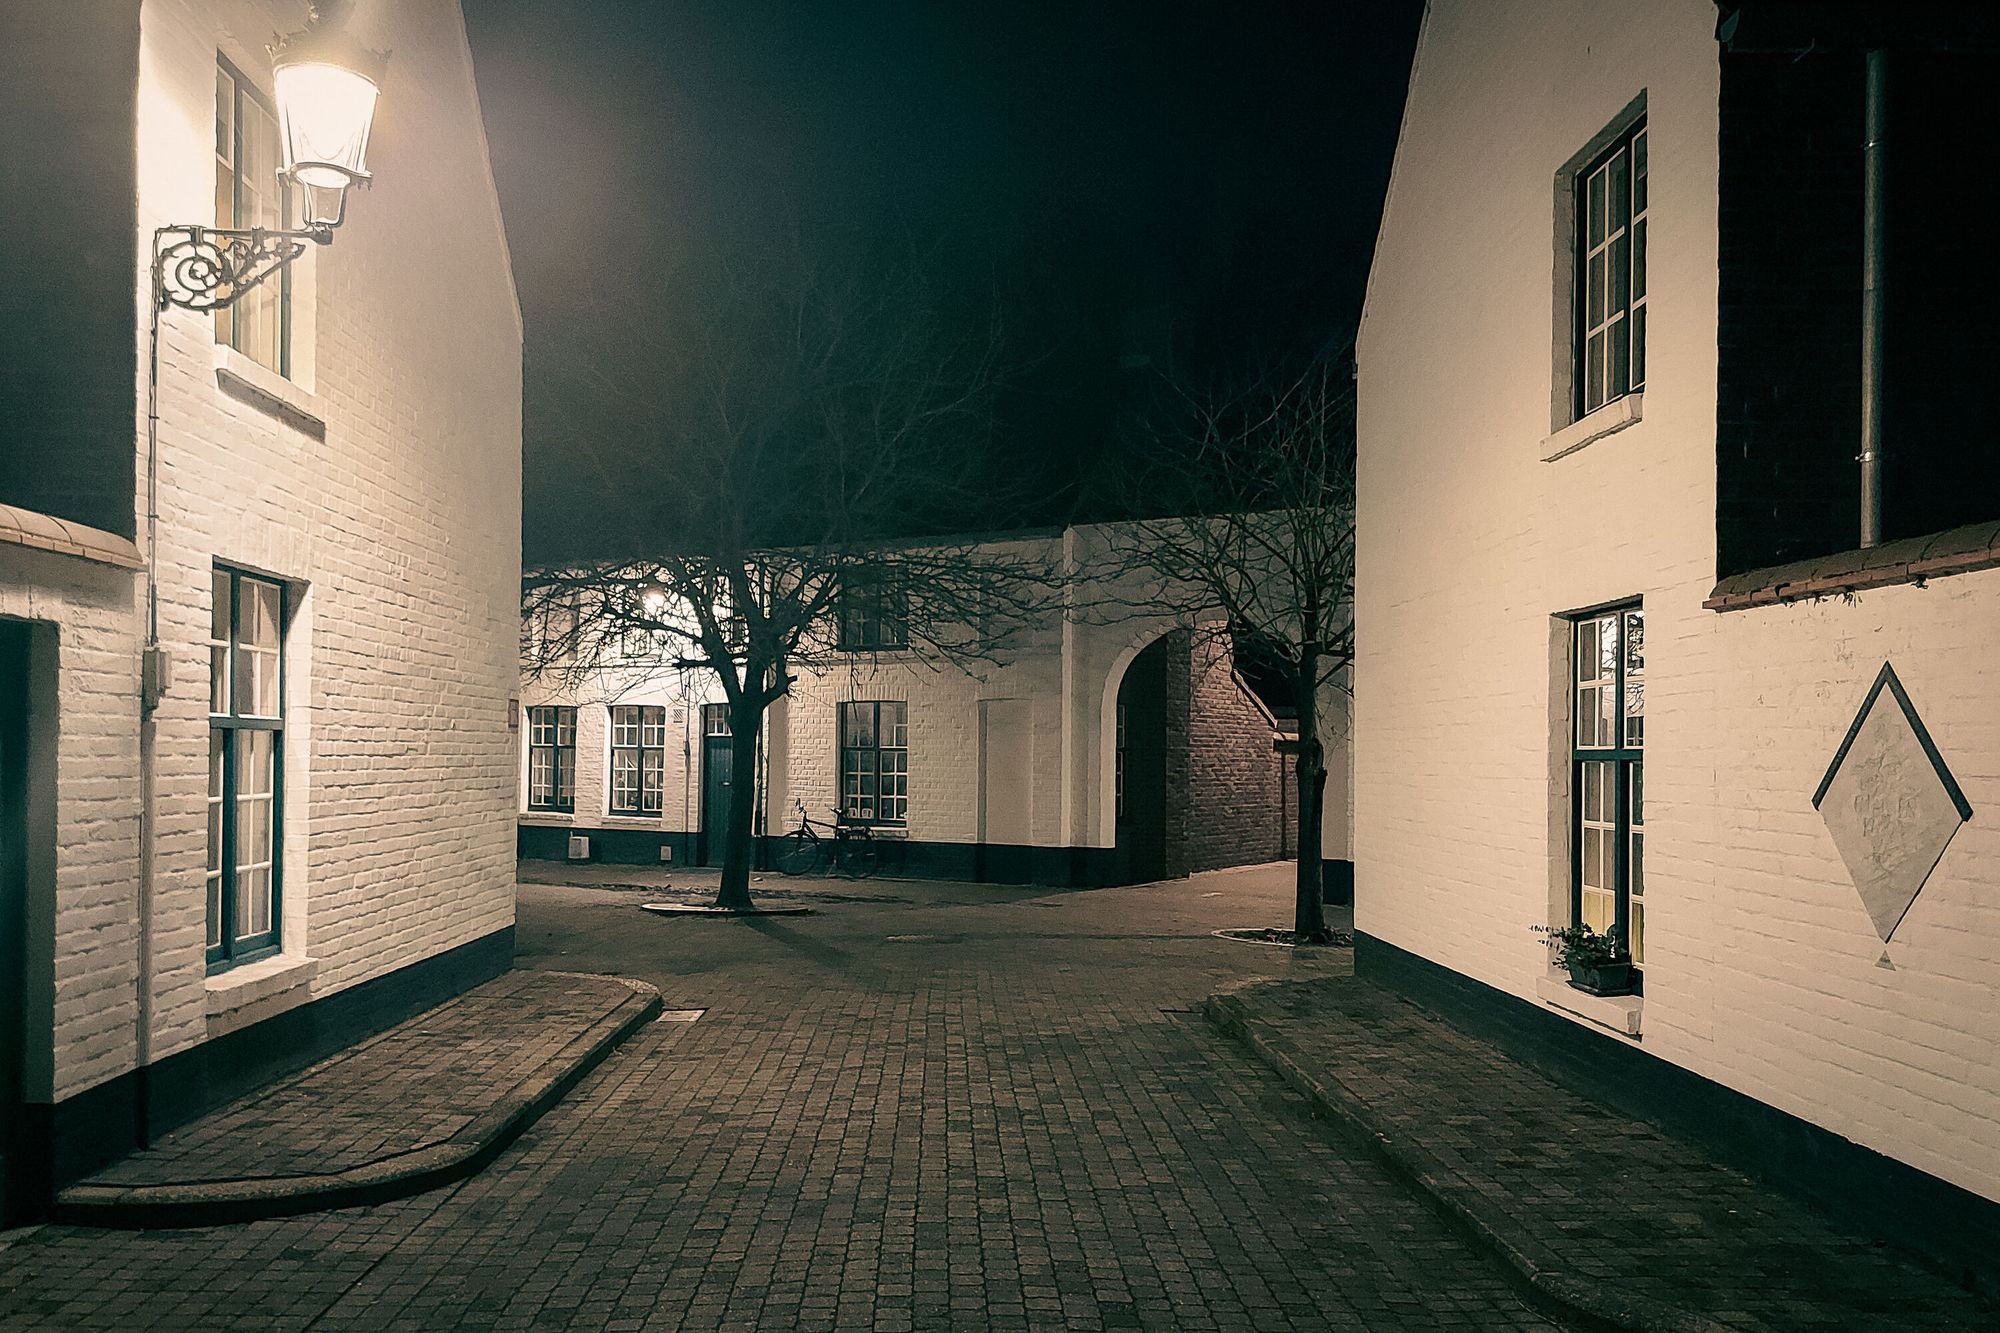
[(1259, 548), (799, 435)]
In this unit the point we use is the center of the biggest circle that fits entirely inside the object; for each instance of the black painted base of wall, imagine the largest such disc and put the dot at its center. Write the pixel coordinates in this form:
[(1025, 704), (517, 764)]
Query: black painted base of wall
[(1869, 1193), (96, 1127)]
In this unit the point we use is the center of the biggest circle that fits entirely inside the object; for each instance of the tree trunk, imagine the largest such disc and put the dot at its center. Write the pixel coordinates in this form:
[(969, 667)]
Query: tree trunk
[(745, 718), (1309, 910)]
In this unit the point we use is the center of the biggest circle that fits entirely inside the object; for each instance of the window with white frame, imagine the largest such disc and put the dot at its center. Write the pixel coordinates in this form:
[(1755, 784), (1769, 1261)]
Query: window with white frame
[(246, 741), (249, 193), (552, 758), (1610, 342), (638, 759), (1607, 774), (875, 763)]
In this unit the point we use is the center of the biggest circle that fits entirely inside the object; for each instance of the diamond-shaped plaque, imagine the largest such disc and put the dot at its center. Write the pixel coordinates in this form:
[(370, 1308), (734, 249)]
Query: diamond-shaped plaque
[(1890, 803)]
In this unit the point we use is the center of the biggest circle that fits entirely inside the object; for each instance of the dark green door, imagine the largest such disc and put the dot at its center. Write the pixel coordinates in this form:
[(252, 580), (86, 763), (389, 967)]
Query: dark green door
[(717, 764)]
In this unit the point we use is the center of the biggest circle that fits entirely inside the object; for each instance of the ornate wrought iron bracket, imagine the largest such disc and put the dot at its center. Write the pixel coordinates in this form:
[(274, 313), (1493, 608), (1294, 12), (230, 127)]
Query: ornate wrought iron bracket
[(208, 268)]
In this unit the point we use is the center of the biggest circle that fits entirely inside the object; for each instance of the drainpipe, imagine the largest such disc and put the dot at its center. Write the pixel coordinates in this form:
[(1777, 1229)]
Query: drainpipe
[(1874, 253)]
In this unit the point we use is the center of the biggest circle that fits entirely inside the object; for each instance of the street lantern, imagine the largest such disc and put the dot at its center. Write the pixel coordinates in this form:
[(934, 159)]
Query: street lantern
[(327, 85)]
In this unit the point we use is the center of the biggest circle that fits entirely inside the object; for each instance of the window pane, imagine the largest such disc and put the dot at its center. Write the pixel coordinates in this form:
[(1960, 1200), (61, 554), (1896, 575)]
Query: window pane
[(1586, 649), (1595, 232), (1639, 173), (859, 724), (1620, 191), (1600, 911), (1635, 678), (895, 724), (1639, 259), (1620, 275), (1595, 291), (565, 726), (1636, 945), (654, 724), (256, 811), (1617, 379), (1593, 373), (1638, 321), (565, 777)]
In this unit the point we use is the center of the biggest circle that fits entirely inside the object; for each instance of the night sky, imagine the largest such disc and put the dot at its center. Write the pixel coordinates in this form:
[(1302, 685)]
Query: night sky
[(1104, 165)]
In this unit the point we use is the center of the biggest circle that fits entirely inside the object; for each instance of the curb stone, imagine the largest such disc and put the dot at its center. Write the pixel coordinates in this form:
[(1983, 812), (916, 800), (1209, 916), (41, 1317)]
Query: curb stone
[(1587, 1304), (398, 1176)]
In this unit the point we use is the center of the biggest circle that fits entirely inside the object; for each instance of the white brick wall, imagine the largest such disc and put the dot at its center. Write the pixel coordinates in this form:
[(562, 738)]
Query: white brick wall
[(399, 530), (1068, 672), (1760, 960)]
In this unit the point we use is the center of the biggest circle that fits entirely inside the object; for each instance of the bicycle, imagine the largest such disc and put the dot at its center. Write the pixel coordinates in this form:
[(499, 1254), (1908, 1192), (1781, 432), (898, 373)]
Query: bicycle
[(848, 850)]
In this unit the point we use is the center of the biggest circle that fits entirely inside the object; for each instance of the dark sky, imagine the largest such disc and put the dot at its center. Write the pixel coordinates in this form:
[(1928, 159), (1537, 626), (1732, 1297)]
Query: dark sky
[(1221, 161)]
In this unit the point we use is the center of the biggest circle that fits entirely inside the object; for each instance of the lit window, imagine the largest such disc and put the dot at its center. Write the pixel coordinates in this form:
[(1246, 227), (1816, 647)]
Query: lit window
[(874, 763), (552, 758), (246, 738), (638, 759), (249, 193), (1608, 675)]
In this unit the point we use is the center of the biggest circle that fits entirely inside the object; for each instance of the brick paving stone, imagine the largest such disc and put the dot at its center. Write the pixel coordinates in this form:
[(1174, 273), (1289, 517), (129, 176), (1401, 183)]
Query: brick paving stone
[(1581, 1191), (415, 1085), (1017, 1122)]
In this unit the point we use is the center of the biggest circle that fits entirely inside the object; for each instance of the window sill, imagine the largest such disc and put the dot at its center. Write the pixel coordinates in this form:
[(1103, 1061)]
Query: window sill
[(552, 818), (269, 392), (253, 992), (1911, 560), (26, 527), (1609, 419), (1617, 1013)]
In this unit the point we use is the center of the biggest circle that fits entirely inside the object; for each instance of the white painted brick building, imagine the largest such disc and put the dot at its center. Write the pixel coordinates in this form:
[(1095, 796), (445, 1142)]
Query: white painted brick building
[(365, 467), (1012, 764), (1498, 503)]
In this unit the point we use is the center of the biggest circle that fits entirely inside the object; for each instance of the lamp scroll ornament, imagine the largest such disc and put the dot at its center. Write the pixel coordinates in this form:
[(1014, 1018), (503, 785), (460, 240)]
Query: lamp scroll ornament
[(327, 85)]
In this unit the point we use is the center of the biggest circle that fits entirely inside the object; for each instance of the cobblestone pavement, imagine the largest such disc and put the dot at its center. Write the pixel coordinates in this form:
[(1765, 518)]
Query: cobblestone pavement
[(1631, 1221), (417, 1084), (960, 1108)]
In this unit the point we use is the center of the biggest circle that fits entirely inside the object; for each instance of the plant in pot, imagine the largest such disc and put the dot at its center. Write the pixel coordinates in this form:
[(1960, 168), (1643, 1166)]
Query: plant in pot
[(1597, 963)]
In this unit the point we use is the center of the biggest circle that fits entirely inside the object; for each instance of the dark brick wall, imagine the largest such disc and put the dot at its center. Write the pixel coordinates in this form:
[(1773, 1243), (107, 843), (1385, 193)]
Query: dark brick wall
[(68, 224), (1788, 371), (1788, 387)]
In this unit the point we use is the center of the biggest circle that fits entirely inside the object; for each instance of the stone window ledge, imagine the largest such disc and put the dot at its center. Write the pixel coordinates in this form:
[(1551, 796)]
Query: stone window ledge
[(269, 392), (247, 994), (548, 818), (1609, 419), (1911, 560), (42, 532), (1619, 1013)]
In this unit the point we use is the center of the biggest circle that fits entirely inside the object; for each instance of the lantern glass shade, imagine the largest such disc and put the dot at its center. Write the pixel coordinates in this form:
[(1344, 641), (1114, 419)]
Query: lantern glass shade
[(324, 114)]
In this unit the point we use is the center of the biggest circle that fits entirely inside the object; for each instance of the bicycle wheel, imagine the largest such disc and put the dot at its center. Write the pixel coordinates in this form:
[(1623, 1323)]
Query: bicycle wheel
[(859, 857), (800, 854)]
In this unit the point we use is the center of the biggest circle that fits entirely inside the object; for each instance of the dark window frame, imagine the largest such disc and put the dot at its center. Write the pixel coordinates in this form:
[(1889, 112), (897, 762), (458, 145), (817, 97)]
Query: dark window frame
[(874, 614), (231, 949), (562, 793), (1626, 756), (1627, 329), (864, 759), (650, 720)]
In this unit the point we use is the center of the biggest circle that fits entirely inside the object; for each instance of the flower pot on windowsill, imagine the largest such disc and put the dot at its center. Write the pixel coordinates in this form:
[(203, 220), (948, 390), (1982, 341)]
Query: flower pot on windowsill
[(1601, 978)]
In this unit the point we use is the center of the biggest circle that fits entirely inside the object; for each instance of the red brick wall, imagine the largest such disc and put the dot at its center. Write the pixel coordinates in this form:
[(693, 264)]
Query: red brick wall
[(1229, 797)]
